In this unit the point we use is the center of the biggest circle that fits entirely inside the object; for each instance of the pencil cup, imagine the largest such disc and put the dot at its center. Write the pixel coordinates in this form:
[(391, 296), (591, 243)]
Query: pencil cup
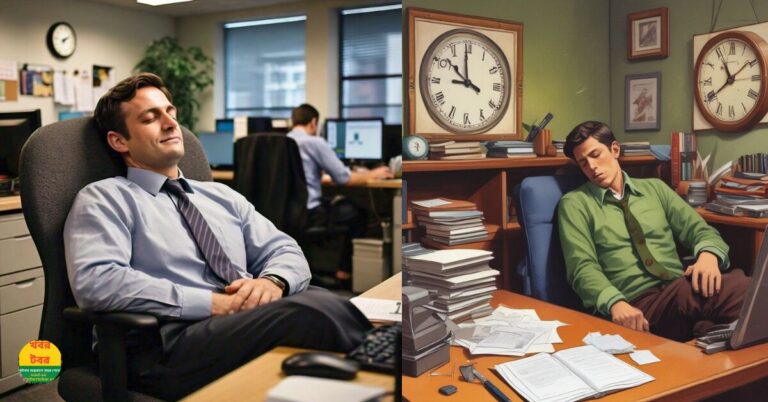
[(542, 142)]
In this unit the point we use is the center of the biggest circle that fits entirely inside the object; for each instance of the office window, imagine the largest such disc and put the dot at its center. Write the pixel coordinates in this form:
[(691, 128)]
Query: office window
[(264, 67), (372, 63)]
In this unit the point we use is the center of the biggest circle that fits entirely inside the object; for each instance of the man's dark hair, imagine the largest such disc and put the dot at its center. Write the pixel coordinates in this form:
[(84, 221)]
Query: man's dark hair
[(108, 114), (303, 114), (599, 131)]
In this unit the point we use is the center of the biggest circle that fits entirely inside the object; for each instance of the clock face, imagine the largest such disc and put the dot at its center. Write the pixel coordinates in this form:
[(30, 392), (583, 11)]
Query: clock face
[(62, 40), (465, 82), (730, 82)]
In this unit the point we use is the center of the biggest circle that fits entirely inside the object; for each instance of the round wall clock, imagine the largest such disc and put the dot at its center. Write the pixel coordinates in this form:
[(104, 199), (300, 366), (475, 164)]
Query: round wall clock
[(61, 40), (465, 82), (731, 81), (415, 147)]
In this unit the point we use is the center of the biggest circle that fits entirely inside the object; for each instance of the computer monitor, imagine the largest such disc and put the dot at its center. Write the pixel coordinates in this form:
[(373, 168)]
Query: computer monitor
[(225, 125), (356, 140), (219, 148), (752, 326), (15, 129)]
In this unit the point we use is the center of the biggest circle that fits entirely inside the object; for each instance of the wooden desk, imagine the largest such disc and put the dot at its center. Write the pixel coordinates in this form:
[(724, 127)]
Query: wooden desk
[(684, 373), (228, 175), (743, 234), (11, 203), (253, 380)]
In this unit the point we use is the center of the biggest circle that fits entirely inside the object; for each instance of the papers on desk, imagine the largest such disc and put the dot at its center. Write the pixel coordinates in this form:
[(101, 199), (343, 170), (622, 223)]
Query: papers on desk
[(613, 344), (508, 332), (298, 388), (570, 375), (642, 357), (378, 309)]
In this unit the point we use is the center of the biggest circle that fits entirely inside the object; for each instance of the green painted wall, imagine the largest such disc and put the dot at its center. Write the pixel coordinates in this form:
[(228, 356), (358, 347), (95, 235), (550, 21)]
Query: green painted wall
[(565, 55), (686, 18)]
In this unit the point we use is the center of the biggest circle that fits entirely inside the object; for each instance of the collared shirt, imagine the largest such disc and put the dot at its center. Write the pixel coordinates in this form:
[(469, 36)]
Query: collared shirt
[(601, 264), (317, 156), (128, 248)]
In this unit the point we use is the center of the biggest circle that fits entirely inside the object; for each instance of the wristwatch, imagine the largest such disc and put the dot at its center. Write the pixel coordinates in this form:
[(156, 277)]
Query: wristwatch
[(278, 281)]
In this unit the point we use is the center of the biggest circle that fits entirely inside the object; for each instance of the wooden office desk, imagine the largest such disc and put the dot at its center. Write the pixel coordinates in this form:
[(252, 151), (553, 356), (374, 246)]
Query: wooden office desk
[(11, 203), (684, 373), (252, 381), (228, 175), (743, 234)]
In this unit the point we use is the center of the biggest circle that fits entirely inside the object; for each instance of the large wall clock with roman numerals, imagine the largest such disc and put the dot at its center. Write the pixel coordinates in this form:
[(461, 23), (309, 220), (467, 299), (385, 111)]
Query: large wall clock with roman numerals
[(465, 77), (731, 80)]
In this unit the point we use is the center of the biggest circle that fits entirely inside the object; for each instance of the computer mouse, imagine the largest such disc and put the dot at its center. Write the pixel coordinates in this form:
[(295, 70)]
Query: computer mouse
[(319, 364)]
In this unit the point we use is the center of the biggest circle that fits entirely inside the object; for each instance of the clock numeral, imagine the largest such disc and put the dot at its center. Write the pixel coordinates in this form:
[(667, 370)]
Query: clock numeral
[(468, 47), (745, 108), (731, 48), (497, 86), (752, 94), (706, 82), (711, 95), (452, 112), (435, 59), (482, 117), (719, 110), (752, 63), (466, 118), (756, 77), (440, 98), (491, 104), (712, 66), (483, 59), (435, 80), (719, 53), (731, 111), (453, 49), (494, 70)]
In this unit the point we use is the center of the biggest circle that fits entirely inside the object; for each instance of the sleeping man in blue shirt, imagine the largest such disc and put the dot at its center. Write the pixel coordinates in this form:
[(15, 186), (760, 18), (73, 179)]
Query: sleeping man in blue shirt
[(225, 284), (318, 157)]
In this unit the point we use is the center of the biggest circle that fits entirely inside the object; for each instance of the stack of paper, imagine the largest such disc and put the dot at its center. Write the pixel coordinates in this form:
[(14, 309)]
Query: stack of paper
[(613, 344), (636, 148), (510, 149), (450, 222), (425, 340), (461, 280), (508, 332), (456, 150)]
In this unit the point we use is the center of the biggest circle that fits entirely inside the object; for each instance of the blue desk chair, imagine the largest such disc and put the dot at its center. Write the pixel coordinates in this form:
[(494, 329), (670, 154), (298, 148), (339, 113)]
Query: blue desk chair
[(542, 267)]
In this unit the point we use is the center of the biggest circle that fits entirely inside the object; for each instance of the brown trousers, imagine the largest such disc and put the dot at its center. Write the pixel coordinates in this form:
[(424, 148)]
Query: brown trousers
[(676, 312)]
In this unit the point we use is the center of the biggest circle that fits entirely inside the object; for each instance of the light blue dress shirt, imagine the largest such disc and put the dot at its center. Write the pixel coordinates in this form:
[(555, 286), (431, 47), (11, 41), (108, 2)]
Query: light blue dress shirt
[(317, 156), (128, 248)]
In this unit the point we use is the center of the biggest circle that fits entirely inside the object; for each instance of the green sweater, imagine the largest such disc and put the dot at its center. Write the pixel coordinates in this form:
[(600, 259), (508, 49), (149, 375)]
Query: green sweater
[(601, 264)]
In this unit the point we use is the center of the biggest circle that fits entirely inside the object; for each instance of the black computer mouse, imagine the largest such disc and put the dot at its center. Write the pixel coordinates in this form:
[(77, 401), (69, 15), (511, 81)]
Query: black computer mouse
[(319, 364)]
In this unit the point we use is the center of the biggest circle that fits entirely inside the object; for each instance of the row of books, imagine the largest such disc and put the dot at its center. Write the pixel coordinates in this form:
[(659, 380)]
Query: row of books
[(452, 150), (450, 222), (683, 156), (636, 148), (756, 163)]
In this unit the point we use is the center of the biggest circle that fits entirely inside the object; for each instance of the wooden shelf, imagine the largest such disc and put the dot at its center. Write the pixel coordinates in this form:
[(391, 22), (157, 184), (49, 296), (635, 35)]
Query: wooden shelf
[(10, 203), (409, 226), (512, 225), (501, 163)]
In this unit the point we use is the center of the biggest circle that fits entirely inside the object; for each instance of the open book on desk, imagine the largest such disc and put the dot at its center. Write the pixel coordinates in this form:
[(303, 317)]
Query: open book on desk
[(570, 375)]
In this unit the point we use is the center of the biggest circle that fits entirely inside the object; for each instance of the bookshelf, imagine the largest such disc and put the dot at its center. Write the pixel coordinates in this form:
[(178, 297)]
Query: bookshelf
[(489, 184)]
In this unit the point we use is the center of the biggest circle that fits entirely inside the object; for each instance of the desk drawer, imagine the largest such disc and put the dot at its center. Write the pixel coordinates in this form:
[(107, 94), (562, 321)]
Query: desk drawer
[(12, 226), (16, 329), (22, 290), (18, 254)]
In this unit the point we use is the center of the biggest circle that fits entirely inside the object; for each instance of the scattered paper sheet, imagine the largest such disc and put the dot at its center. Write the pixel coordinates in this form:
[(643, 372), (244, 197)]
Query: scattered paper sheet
[(613, 344), (379, 309), (435, 202), (644, 357)]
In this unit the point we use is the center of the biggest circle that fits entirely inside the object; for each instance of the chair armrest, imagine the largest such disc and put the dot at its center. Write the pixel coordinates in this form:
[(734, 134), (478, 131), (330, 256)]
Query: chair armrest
[(120, 319)]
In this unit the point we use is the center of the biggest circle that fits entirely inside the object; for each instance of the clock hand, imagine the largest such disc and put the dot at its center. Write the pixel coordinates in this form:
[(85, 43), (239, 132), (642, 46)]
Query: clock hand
[(473, 86), (737, 72), (466, 66), (726, 69)]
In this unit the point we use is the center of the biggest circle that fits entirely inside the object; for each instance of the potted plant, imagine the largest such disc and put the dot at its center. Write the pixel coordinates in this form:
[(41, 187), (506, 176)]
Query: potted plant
[(185, 71)]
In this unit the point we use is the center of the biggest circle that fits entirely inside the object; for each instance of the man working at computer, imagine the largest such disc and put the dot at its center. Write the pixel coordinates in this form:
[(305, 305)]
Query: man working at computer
[(317, 156), (619, 243), (225, 283)]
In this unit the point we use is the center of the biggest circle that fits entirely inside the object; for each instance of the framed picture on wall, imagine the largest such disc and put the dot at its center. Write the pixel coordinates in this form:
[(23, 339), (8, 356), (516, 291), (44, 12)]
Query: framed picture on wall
[(642, 102), (648, 34)]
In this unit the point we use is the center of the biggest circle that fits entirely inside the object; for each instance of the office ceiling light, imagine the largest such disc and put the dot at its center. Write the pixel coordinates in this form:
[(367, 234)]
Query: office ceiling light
[(371, 9), (270, 21), (161, 2)]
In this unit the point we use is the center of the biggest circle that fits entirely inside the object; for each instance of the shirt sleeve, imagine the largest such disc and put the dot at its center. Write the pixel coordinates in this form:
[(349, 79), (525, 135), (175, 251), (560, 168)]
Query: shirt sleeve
[(583, 269), (689, 228), (270, 251), (329, 162), (98, 247)]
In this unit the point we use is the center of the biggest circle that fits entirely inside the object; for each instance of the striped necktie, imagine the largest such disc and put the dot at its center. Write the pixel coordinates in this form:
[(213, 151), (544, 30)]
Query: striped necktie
[(214, 254), (638, 238)]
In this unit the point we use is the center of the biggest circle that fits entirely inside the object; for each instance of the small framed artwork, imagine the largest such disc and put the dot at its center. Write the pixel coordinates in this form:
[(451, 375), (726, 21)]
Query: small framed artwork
[(642, 102), (648, 34)]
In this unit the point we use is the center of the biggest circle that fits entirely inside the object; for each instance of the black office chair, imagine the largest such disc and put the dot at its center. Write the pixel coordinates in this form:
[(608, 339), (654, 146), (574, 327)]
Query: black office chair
[(56, 162), (270, 174)]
